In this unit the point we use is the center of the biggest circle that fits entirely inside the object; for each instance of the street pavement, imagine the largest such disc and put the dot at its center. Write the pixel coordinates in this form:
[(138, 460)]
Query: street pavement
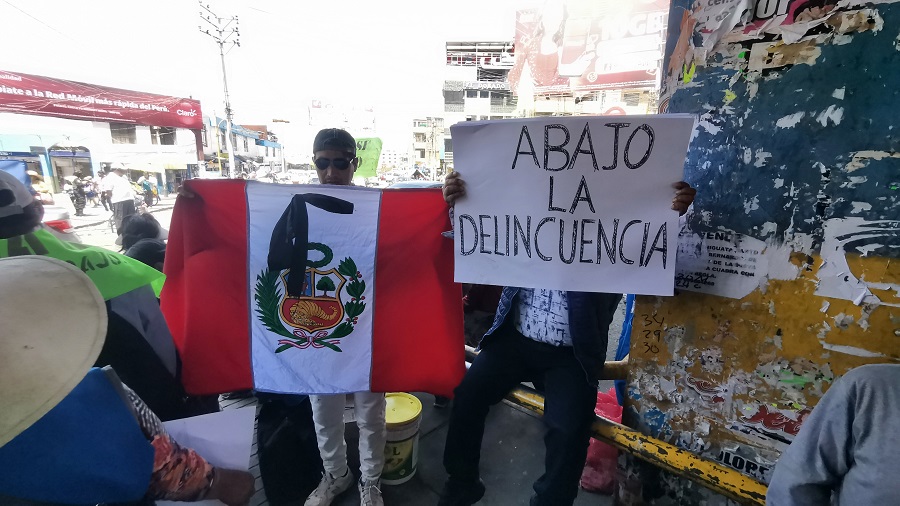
[(94, 215)]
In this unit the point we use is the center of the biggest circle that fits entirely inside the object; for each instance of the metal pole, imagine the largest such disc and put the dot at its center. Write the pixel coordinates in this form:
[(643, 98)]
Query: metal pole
[(283, 165), (229, 145), (218, 142), (222, 35), (707, 473)]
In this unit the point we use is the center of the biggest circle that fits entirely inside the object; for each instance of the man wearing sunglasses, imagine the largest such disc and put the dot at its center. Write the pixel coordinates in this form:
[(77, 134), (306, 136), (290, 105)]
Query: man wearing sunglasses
[(334, 155)]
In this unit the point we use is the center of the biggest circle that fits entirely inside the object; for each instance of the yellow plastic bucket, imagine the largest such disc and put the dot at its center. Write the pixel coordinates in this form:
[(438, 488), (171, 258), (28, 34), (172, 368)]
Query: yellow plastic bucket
[(401, 451)]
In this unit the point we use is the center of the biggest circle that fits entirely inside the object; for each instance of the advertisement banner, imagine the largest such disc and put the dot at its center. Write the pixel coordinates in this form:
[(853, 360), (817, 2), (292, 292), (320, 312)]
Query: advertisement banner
[(582, 45), (47, 96)]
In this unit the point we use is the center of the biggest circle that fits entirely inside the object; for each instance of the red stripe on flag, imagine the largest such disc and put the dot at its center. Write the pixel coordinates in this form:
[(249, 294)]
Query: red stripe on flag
[(418, 341), (206, 278)]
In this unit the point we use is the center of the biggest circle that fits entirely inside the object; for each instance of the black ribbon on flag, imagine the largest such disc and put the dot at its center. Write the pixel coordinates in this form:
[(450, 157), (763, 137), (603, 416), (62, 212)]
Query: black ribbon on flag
[(289, 247)]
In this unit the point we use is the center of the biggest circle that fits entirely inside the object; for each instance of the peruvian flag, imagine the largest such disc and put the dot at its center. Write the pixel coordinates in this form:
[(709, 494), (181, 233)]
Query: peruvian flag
[(313, 289)]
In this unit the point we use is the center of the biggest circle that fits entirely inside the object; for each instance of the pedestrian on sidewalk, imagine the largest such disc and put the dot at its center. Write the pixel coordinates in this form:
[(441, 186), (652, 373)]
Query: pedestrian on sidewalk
[(122, 197), (106, 190), (90, 191), (147, 187), (79, 197)]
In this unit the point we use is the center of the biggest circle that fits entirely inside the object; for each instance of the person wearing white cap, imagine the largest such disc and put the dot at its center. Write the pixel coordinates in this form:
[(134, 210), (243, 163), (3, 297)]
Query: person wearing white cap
[(73, 434), (20, 212)]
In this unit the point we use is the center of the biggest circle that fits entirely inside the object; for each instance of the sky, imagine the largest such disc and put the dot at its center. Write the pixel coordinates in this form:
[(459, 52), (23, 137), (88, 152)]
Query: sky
[(388, 55)]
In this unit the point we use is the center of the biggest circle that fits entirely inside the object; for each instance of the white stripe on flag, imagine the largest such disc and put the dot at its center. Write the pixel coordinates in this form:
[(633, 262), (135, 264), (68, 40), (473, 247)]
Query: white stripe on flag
[(310, 329)]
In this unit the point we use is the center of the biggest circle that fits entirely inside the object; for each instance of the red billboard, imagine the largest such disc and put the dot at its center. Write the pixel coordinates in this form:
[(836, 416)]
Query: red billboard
[(28, 94), (583, 45)]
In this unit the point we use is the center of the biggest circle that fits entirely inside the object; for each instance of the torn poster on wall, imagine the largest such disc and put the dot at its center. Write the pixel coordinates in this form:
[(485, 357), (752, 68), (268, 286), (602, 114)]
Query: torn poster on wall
[(770, 426), (791, 18), (721, 263), (745, 460), (580, 203), (856, 236), (729, 264)]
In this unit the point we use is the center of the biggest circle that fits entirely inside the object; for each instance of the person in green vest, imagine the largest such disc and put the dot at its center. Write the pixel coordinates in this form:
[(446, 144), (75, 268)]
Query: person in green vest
[(138, 344)]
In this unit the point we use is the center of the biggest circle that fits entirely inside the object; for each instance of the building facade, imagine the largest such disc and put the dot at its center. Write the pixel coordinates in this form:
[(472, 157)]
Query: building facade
[(60, 148), (255, 148), (476, 87), (394, 159), (428, 143)]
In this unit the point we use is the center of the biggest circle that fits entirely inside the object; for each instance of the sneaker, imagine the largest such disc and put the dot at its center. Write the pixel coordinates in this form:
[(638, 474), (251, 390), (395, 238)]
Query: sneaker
[(329, 488), (441, 402), (461, 493), (369, 493)]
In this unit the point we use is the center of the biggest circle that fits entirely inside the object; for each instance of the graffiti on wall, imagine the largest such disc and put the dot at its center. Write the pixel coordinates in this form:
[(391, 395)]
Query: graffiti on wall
[(788, 272)]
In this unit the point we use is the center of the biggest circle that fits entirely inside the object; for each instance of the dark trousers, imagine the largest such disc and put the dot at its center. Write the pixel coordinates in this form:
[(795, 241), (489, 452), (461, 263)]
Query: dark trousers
[(506, 360), (104, 199), (122, 210)]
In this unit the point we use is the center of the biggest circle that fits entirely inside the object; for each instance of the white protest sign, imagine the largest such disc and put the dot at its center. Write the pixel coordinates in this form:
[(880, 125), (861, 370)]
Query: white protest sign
[(577, 203)]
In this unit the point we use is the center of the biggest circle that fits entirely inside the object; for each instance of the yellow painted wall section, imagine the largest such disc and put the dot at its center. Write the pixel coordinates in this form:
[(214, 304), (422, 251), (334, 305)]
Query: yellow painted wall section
[(788, 273)]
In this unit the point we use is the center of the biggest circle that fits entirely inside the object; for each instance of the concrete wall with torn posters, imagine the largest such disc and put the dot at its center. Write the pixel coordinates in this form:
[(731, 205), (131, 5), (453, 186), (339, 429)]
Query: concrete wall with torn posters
[(788, 264)]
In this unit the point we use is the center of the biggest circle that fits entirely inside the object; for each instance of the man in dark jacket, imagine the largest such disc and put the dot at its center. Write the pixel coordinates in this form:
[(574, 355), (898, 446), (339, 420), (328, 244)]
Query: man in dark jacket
[(557, 336)]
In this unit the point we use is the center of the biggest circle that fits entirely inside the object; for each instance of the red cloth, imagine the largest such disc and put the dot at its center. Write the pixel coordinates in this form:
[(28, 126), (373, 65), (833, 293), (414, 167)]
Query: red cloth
[(417, 328), (599, 474)]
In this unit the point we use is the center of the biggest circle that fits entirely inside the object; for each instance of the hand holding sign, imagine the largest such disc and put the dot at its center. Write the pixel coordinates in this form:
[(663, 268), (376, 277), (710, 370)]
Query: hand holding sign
[(454, 187), (684, 197)]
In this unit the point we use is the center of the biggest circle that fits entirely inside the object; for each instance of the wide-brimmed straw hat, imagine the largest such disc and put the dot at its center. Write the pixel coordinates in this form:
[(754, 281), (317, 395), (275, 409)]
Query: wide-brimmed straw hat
[(53, 327)]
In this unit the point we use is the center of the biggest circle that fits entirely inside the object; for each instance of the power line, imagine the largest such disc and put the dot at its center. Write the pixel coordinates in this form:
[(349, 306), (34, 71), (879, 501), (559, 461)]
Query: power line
[(36, 19), (260, 10)]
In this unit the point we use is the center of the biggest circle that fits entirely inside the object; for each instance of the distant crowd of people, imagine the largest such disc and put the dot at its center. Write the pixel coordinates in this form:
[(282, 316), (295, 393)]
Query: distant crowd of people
[(105, 190)]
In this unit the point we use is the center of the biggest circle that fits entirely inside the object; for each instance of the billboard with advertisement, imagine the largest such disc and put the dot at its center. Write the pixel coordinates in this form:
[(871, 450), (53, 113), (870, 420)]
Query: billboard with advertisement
[(47, 96), (584, 45)]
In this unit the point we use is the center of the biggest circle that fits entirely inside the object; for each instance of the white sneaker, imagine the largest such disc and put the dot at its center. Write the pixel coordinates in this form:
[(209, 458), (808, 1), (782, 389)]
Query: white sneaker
[(369, 493), (329, 488)]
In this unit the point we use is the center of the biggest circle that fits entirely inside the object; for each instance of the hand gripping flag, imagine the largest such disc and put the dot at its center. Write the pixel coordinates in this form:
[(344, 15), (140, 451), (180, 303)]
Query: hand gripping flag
[(313, 289)]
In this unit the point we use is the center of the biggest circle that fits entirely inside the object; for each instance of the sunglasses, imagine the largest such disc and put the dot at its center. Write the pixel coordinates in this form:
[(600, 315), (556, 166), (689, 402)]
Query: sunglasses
[(339, 163)]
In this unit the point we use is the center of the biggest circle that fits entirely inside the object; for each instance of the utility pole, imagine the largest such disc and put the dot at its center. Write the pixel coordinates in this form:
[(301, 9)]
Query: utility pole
[(283, 166), (221, 33), (433, 158)]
